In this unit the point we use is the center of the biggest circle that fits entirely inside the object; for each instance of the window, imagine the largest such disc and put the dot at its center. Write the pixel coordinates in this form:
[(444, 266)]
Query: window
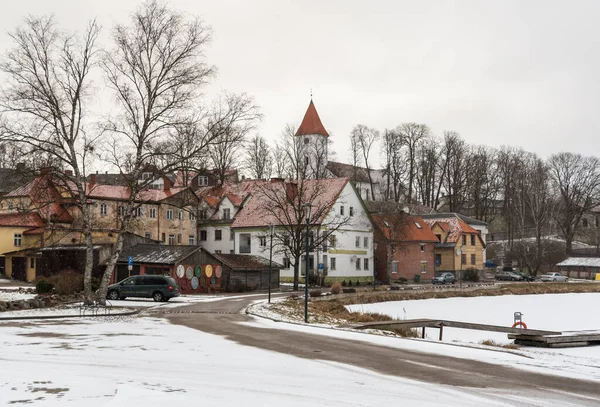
[(358, 264), (366, 242), (217, 251), (438, 260), (178, 237), (342, 210), (203, 235), (170, 214), (473, 259), (121, 210), (218, 234), (103, 209), (192, 216), (138, 212), (305, 160), (231, 251), (418, 225), (463, 258), (306, 140), (332, 261), (351, 211), (18, 239), (32, 262), (472, 240), (262, 241), (422, 247), (171, 239), (163, 237), (439, 237), (423, 267), (245, 243), (286, 240), (202, 181), (148, 235), (203, 215), (231, 235), (180, 215), (191, 240), (152, 213), (584, 223), (226, 214), (357, 241), (464, 240), (394, 267), (366, 264), (286, 263), (332, 240)]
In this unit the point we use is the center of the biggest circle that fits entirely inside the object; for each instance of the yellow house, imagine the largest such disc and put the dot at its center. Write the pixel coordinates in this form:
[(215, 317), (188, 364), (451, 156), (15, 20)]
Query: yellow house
[(460, 246), (19, 234)]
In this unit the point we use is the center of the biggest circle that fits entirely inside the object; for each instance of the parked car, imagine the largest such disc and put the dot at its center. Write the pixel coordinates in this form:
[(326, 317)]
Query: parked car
[(444, 278), (508, 276), (554, 277), (526, 277), (160, 288)]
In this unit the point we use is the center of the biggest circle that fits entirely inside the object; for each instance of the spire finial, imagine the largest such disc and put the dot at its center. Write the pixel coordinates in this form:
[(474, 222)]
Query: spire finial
[(311, 94)]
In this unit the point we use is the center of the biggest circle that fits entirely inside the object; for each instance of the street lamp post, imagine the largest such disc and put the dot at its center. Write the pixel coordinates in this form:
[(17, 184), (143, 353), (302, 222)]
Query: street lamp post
[(271, 228), (307, 208)]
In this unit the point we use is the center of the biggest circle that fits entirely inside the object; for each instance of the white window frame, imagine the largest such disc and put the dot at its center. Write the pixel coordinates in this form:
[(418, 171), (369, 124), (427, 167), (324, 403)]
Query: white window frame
[(202, 180), (180, 215), (152, 213), (366, 242), (357, 241), (191, 240), (226, 213), (103, 209), (18, 240), (332, 263), (169, 214), (171, 239)]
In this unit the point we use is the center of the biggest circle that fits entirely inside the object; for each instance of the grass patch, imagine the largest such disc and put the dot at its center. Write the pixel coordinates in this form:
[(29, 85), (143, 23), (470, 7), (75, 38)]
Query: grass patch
[(490, 342)]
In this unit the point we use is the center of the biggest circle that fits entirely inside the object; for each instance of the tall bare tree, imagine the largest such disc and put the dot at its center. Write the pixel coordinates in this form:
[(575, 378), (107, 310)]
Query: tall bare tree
[(483, 182), (454, 156), (577, 180), (259, 160), (395, 165), (155, 70), (365, 138), (412, 135), (45, 104)]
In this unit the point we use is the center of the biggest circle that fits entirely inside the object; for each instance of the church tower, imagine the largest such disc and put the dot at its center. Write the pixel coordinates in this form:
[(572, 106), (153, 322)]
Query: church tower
[(312, 139)]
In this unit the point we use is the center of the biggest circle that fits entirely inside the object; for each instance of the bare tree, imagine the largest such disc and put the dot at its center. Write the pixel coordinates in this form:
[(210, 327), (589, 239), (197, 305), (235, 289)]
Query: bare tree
[(259, 160), (364, 138), (297, 165), (429, 173), (155, 70), (45, 105), (577, 180), (280, 163), (483, 182), (412, 135), (454, 156), (282, 203), (395, 165)]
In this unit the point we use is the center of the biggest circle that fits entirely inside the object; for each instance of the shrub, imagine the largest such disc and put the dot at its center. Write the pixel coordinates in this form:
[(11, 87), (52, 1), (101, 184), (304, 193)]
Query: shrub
[(43, 286), (402, 280), (344, 283), (349, 283), (471, 274), (357, 283), (336, 288), (315, 293), (67, 282), (349, 290)]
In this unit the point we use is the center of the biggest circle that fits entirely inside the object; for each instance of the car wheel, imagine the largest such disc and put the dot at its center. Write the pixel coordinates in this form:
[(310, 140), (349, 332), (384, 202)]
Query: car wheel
[(113, 295), (554, 280), (158, 296), (167, 299)]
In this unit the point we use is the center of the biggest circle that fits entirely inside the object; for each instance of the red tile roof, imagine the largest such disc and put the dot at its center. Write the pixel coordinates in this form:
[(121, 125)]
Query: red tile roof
[(404, 228), (29, 220), (253, 214), (311, 124), (120, 192), (457, 227)]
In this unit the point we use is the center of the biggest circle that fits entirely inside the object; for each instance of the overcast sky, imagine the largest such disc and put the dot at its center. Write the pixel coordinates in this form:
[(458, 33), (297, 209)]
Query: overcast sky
[(518, 73)]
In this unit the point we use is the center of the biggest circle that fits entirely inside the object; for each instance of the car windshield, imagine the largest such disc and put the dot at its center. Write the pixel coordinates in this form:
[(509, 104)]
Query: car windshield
[(129, 281)]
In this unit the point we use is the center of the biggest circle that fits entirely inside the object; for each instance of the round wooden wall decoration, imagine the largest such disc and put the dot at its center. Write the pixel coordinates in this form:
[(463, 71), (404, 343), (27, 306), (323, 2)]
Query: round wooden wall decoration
[(208, 270), (180, 271)]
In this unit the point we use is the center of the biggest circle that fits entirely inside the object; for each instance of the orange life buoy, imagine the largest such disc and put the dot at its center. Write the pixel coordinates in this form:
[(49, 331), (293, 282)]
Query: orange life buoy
[(521, 324)]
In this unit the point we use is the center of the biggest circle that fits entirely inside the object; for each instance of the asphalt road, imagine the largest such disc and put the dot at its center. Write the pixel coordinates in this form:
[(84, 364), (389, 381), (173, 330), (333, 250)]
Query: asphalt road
[(223, 318)]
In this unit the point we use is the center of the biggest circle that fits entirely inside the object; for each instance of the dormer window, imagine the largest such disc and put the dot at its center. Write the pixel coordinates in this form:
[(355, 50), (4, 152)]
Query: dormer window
[(418, 225), (146, 176), (202, 181), (226, 214)]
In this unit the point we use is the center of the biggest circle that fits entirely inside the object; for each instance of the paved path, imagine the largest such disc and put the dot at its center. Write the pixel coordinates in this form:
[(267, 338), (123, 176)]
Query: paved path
[(223, 318)]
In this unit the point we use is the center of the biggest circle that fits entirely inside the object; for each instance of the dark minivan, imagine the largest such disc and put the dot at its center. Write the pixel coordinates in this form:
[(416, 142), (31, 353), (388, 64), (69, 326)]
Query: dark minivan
[(160, 288)]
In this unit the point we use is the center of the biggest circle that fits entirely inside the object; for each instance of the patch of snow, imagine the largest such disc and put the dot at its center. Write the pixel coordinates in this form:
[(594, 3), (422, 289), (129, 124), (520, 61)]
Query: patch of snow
[(14, 295)]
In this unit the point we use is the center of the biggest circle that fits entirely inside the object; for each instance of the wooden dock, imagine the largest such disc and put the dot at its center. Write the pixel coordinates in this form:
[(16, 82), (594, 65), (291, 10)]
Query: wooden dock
[(523, 337)]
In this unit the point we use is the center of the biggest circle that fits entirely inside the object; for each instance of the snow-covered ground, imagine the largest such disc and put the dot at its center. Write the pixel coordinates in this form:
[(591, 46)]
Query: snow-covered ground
[(143, 361), (13, 294), (554, 312)]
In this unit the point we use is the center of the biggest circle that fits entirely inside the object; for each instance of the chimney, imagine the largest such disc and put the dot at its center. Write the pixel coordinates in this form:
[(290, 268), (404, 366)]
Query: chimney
[(69, 173), (167, 184), (276, 179), (45, 170), (92, 179)]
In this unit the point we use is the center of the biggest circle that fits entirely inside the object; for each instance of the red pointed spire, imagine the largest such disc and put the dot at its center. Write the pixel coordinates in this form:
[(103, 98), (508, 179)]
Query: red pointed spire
[(311, 124)]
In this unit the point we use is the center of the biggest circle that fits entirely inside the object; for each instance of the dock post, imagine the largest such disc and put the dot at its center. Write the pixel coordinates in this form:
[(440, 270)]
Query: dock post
[(441, 330), (423, 333)]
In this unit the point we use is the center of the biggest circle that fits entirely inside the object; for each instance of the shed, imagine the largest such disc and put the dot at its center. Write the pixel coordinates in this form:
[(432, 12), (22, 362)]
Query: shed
[(580, 267), (248, 272)]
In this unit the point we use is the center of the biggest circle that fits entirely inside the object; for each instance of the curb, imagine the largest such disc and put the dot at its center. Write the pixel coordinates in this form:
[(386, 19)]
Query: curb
[(25, 318), (501, 350)]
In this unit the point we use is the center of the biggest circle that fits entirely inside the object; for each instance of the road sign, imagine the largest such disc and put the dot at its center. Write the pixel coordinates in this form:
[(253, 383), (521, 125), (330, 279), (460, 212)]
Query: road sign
[(130, 261), (321, 266)]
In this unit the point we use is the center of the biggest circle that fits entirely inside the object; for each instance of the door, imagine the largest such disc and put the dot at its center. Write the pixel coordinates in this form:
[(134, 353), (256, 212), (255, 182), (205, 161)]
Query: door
[(19, 265), (150, 285), (128, 287)]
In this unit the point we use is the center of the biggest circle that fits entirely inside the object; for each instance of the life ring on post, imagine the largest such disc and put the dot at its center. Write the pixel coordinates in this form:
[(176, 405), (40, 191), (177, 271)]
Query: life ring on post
[(521, 324)]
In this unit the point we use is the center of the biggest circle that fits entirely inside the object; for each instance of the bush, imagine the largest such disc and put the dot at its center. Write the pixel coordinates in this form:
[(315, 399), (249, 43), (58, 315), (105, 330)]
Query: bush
[(336, 288), (43, 286), (349, 283), (67, 282), (344, 283), (357, 283), (402, 280), (315, 293), (349, 290), (471, 274)]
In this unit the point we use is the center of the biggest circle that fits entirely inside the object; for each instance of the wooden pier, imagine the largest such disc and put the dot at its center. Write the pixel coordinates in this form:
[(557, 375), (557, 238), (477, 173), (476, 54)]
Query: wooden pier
[(523, 337)]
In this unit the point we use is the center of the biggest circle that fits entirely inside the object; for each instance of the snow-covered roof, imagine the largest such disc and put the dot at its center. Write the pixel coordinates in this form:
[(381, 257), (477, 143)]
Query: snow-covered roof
[(580, 262)]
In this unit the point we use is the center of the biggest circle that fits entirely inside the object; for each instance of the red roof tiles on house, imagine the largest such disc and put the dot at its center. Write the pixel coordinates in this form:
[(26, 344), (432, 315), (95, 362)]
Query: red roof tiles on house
[(404, 228), (311, 124), (29, 220), (457, 228)]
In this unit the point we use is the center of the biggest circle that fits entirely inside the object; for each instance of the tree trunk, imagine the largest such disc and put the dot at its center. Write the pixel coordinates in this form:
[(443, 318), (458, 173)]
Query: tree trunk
[(296, 273), (110, 268)]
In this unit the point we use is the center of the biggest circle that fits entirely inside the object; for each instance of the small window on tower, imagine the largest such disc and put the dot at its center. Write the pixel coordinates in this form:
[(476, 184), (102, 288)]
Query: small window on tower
[(306, 140)]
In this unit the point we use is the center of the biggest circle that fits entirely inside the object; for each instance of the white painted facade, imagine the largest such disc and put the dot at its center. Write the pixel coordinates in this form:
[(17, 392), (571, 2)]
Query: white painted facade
[(215, 234)]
